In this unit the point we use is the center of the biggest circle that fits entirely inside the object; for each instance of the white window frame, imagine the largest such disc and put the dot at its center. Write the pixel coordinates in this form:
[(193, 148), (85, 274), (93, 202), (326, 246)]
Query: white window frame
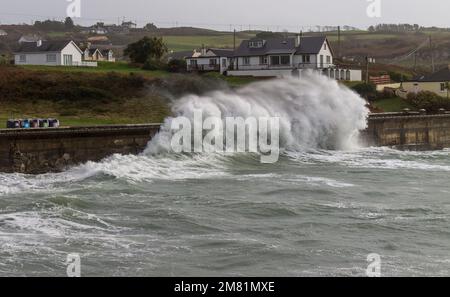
[(246, 61), (53, 58), (23, 58)]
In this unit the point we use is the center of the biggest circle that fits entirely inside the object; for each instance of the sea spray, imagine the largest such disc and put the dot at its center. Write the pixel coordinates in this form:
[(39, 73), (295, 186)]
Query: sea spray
[(315, 112)]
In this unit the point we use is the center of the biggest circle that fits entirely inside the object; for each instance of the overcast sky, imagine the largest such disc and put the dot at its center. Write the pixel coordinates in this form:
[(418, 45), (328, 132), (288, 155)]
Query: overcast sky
[(220, 14)]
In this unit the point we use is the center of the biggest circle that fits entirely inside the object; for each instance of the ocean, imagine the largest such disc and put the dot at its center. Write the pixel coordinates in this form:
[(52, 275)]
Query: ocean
[(320, 210)]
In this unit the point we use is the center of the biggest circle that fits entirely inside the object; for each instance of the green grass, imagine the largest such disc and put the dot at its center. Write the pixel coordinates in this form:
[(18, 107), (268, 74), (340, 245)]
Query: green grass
[(125, 111), (394, 104), (103, 67)]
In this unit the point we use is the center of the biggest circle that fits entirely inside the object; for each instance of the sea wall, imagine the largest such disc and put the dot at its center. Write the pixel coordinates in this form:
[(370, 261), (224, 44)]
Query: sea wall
[(37, 151), (408, 131)]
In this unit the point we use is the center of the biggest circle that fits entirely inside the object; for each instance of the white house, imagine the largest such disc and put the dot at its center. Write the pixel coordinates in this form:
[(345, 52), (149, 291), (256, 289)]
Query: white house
[(50, 53), (97, 54), (210, 60), (3, 33), (280, 57)]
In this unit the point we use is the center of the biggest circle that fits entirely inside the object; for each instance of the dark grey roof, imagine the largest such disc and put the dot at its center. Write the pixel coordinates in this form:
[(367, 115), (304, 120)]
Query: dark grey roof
[(442, 75), (47, 46), (311, 45), (222, 52), (308, 45)]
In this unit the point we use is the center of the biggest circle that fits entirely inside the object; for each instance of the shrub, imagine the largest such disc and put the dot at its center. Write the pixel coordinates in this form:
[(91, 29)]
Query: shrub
[(154, 64), (176, 65), (368, 91), (428, 100)]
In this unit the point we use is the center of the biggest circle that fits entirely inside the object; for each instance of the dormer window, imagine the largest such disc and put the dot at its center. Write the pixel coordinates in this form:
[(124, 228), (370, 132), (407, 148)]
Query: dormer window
[(256, 44)]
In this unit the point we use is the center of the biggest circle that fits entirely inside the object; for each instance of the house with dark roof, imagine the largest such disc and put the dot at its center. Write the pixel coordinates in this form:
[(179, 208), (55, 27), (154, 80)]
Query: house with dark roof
[(50, 53), (436, 82), (212, 59), (281, 57)]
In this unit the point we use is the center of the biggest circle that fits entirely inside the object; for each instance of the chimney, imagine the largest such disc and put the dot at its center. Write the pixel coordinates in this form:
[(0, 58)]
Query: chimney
[(203, 52), (298, 40), (39, 43)]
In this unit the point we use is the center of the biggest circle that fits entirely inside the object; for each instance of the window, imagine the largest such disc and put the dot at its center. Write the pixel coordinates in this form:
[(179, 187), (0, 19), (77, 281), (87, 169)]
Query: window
[(328, 60), (246, 61), (212, 62), (325, 46), (51, 58), (306, 59), (285, 60), (442, 87), (193, 62), (256, 44), (23, 58), (224, 62), (347, 75), (275, 60), (263, 60), (68, 59), (321, 61)]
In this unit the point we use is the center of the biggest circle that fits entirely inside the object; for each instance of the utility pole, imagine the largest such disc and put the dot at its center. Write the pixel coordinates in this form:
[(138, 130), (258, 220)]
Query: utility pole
[(432, 56), (339, 42), (415, 61), (367, 69), (234, 39)]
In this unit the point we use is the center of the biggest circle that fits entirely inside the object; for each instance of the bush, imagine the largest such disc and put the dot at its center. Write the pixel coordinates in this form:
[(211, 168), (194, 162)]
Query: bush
[(176, 65), (368, 91), (429, 101), (154, 64)]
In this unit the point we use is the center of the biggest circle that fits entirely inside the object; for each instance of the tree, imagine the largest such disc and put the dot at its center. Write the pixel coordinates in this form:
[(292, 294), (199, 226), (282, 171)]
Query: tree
[(147, 48), (68, 23), (150, 27)]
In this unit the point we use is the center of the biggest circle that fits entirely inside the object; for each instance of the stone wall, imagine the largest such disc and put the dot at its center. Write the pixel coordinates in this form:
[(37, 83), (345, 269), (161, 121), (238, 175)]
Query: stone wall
[(411, 131), (48, 150)]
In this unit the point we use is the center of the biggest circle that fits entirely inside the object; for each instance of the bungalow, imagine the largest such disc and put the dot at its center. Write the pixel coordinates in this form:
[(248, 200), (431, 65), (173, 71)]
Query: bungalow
[(280, 57), (210, 60), (3, 33), (436, 82), (50, 53)]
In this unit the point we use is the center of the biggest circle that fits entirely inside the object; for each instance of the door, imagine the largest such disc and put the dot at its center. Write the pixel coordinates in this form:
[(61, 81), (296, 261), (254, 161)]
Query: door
[(321, 61), (67, 60)]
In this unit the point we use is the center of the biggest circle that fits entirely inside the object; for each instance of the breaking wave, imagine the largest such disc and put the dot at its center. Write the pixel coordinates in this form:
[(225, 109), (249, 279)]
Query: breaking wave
[(315, 112)]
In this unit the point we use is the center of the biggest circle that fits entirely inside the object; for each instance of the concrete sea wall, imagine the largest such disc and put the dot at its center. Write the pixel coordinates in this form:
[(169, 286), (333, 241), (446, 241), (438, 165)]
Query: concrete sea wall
[(411, 131), (37, 151)]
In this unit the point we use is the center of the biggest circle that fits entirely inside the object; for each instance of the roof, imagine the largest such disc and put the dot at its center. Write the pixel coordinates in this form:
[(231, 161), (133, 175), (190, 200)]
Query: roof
[(439, 76), (47, 46), (308, 45), (218, 52), (222, 52)]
